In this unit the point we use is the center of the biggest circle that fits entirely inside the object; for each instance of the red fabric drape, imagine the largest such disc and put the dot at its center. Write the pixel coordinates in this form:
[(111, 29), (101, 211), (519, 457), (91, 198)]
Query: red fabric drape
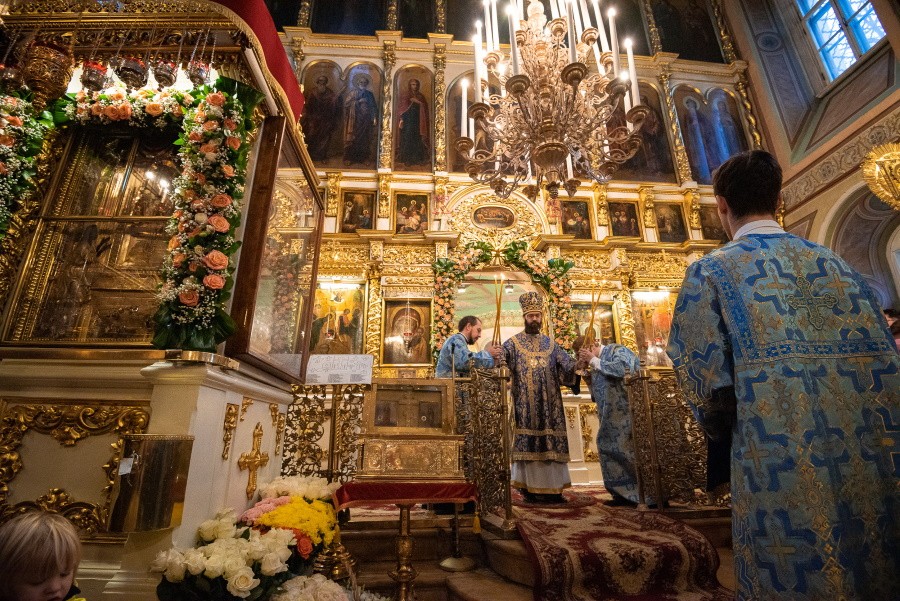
[(406, 493), (257, 17)]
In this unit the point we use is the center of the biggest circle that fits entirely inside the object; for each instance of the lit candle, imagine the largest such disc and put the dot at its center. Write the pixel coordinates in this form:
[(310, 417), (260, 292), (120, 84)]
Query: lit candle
[(632, 74), (554, 11), (576, 14), (614, 41), (501, 75), (463, 117), (513, 50), (585, 17), (569, 169), (487, 24), (496, 25), (601, 30), (520, 4), (626, 99), (476, 41), (573, 51)]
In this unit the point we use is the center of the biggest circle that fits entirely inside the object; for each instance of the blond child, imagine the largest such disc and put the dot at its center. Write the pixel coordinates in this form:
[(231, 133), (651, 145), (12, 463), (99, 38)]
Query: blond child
[(39, 554)]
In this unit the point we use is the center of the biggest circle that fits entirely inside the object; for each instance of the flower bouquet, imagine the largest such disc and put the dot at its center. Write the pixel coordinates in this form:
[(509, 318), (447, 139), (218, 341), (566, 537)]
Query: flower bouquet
[(230, 563)]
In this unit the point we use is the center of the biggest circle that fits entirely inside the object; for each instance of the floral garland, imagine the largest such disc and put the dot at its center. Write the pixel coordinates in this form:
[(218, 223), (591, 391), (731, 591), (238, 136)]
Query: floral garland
[(21, 138), (551, 275)]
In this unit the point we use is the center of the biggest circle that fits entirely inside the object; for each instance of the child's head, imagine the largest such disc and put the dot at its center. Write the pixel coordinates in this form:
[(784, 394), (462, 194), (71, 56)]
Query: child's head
[(39, 553)]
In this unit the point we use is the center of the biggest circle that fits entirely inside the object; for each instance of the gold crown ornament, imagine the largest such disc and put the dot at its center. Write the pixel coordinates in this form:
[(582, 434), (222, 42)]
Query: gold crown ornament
[(531, 302)]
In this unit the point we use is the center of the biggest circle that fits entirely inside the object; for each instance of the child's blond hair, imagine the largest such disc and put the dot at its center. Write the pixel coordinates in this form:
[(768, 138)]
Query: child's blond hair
[(36, 544)]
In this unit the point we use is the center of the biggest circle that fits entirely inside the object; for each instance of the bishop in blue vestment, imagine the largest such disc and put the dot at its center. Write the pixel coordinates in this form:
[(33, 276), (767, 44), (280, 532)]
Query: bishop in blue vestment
[(780, 344)]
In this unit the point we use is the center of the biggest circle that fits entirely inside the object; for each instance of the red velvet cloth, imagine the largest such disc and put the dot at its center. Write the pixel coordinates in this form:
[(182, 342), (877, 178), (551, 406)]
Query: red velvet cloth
[(257, 17), (403, 493)]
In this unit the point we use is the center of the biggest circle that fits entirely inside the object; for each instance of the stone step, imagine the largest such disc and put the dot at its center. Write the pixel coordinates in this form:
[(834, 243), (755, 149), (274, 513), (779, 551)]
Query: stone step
[(485, 585)]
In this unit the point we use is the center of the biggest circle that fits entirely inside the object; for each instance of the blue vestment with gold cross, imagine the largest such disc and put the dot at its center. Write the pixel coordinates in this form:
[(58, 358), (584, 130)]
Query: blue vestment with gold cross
[(777, 342)]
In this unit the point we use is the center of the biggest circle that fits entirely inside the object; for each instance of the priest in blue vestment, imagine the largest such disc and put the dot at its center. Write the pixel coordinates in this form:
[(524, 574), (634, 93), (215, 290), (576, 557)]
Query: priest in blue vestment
[(538, 366), (609, 364), (455, 356), (780, 344)]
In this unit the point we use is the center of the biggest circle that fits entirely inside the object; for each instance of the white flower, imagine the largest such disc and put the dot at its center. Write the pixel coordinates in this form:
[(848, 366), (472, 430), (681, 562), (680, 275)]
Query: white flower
[(194, 561), (174, 566), (242, 582), (225, 529), (207, 530), (272, 564), (159, 564), (215, 566), (233, 565), (200, 218)]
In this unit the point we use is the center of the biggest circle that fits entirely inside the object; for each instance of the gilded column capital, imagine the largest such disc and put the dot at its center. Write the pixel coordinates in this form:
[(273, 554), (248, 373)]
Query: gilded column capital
[(440, 108), (626, 318), (376, 250), (441, 249), (332, 192), (384, 195), (441, 195), (692, 200), (299, 55), (553, 251)]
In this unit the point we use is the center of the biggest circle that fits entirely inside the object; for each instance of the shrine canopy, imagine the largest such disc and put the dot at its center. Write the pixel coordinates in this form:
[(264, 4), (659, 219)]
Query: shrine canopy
[(255, 14)]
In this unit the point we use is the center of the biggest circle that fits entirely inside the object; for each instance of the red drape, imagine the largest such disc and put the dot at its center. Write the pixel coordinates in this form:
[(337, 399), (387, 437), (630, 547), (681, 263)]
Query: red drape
[(257, 17), (407, 493)]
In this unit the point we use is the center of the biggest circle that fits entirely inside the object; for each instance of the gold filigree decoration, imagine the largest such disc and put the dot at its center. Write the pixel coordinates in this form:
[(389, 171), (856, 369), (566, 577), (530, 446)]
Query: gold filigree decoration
[(440, 7), (647, 201), (570, 416), (441, 195), (279, 432), (724, 35), (527, 224), (402, 275), (592, 260), (388, 58), (88, 518), (404, 254), (273, 411), (339, 256), (600, 201), (743, 91), (384, 195), (374, 315), (245, 405), (587, 433), (626, 319), (655, 41), (393, 290), (441, 249), (392, 16), (682, 163), (299, 55), (656, 265), (305, 13), (440, 109), (306, 417), (491, 429), (332, 193), (376, 250), (253, 459), (350, 399), (692, 197), (228, 427)]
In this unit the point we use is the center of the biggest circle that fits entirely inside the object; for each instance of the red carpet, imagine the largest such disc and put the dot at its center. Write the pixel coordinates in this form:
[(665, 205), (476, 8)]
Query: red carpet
[(598, 553)]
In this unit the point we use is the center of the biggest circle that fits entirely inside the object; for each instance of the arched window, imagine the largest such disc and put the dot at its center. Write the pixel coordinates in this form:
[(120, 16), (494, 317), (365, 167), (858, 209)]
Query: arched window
[(842, 31)]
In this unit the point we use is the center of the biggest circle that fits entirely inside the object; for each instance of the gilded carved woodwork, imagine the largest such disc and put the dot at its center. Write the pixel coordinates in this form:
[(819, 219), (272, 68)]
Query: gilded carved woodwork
[(441, 249), (228, 427), (334, 255), (728, 50), (527, 225), (587, 432), (332, 193), (303, 455), (349, 418), (440, 108), (299, 56), (253, 459), (374, 316), (384, 195), (388, 58), (88, 518), (647, 202), (490, 457), (245, 405), (571, 412), (600, 201), (682, 164), (589, 260), (743, 91), (654, 269), (440, 8), (626, 319), (405, 254), (406, 291), (441, 196), (692, 198), (655, 41), (392, 16), (279, 432), (305, 13), (376, 250)]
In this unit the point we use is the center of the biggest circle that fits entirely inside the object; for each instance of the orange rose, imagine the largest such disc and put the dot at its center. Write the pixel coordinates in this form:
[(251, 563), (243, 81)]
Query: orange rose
[(220, 201), (3, 168), (124, 111), (111, 112), (219, 223), (201, 179), (210, 125), (215, 259), (178, 259), (304, 544), (189, 195), (192, 266), (117, 95), (209, 147), (233, 143), (214, 281), (154, 109), (228, 170), (216, 99), (173, 243), (187, 99), (14, 121), (176, 110), (195, 136), (189, 298), (230, 124)]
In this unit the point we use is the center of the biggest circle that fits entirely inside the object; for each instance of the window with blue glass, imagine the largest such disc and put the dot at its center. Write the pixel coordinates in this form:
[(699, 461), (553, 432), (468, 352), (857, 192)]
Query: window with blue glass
[(842, 31)]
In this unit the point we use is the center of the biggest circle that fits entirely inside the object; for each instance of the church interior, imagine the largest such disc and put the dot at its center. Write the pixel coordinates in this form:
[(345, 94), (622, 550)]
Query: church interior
[(235, 236)]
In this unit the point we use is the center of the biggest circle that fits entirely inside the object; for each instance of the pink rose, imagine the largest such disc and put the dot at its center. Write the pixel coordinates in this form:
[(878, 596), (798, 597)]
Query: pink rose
[(214, 281), (232, 142), (216, 99), (228, 170), (216, 259), (220, 201), (219, 223), (189, 298)]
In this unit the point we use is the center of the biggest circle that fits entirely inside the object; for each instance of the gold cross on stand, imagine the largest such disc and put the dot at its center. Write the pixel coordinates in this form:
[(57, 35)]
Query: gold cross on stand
[(253, 460)]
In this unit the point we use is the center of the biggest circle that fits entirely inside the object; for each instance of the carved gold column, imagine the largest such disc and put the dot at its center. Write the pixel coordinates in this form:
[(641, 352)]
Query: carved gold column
[(305, 12), (655, 41), (749, 113), (600, 194), (384, 195), (724, 35), (441, 196), (692, 200), (440, 108), (299, 56), (647, 205), (681, 158), (440, 16), (388, 58), (626, 318), (374, 314), (392, 19), (332, 192)]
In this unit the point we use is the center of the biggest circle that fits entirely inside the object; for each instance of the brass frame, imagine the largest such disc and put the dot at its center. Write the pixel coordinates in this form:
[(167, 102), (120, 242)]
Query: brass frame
[(402, 301), (637, 212), (339, 213), (448, 415), (393, 209)]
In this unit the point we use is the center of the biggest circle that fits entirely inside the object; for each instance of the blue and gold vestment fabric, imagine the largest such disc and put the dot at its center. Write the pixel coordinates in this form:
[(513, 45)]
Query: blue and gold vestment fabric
[(455, 355), (615, 444), (539, 366), (814, 414)]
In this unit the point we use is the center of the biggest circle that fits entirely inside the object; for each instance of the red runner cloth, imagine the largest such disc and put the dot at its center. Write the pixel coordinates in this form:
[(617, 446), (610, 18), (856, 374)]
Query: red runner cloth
[(403, 493), (257, 17)]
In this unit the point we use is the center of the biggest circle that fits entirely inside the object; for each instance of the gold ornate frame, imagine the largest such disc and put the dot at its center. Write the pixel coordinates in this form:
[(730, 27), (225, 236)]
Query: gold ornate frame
[(384, 328), (428, 214)]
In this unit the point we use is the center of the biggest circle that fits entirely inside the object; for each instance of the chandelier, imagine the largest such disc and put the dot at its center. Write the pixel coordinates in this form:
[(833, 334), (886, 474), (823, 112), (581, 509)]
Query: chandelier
[(552, 119), (881, 170)]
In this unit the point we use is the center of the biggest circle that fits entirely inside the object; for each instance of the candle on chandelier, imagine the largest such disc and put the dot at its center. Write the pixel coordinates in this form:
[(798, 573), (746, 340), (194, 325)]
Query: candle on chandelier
[(476, 41), (487, 24), (495, 32), (513, 50), (501, 74), (463, 117), (601, 30), (614, 40), (573, 41), (585, 17), (520, 6), (632, 74), (554, 11), (569, 169), (576, 17)]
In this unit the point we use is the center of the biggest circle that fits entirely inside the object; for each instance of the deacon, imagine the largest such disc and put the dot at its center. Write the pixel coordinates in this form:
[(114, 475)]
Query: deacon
[(780, 344), (538, 366), (609, 364), (455, 354)]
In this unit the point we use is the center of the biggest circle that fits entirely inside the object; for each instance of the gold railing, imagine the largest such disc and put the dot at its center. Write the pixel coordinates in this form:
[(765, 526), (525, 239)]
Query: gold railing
[(670, 446)]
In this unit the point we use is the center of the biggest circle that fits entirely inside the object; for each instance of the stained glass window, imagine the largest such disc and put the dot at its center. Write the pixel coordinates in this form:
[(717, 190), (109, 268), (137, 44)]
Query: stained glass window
[(842, 31)]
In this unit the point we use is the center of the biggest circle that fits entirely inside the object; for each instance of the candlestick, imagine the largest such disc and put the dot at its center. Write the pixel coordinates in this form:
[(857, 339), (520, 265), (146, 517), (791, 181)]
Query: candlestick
[(498, 292), (476, 41), (632, 74), (585, 17), (554, 11), (573, 51), (487, 24), (569, 169), (601, 29), (576, 14), (495, 31), (614, 40), (513, 50), (463, 117)]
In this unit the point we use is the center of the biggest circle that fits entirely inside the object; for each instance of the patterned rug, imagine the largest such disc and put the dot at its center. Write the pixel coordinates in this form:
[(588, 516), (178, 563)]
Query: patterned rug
[(574, 500), (598, 553)]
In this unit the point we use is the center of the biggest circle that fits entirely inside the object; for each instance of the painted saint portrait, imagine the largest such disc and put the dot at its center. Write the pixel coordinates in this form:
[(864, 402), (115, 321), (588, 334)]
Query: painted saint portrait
[(604, 324), (411, 213), (357, 210), (321, 114), (670, 223), (576, 220), (338, 319), (350, 17), (652, 310), (653, 160), (712, 130), (686, 28), (407, 332), (711, 225), (359, 124), (623, 219), (413, 89)]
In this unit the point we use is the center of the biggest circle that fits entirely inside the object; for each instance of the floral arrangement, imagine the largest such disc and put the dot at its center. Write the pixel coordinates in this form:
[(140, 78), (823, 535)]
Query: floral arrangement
[(551, 275), (21, 138), (313, 522), (310, 487), (142, 108), (311, 588), (229, 563)]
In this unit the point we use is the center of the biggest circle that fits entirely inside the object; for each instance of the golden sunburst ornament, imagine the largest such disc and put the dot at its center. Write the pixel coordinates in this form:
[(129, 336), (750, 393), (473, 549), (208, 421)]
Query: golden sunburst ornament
[(881, 170)]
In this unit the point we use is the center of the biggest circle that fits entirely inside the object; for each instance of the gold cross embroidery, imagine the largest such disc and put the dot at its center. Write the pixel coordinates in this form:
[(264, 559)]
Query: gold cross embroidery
[(253, 460), (806, 300)]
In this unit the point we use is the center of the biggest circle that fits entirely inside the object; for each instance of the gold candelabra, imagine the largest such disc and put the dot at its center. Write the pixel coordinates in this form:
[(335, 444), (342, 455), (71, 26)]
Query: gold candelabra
[(881, 170)]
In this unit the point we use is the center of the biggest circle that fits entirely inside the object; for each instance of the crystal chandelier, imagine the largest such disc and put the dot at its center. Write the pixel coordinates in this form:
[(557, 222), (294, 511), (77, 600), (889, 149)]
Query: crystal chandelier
[(553, 118)]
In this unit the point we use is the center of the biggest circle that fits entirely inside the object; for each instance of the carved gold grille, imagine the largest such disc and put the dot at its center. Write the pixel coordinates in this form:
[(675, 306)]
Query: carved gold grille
[(490, 415)]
